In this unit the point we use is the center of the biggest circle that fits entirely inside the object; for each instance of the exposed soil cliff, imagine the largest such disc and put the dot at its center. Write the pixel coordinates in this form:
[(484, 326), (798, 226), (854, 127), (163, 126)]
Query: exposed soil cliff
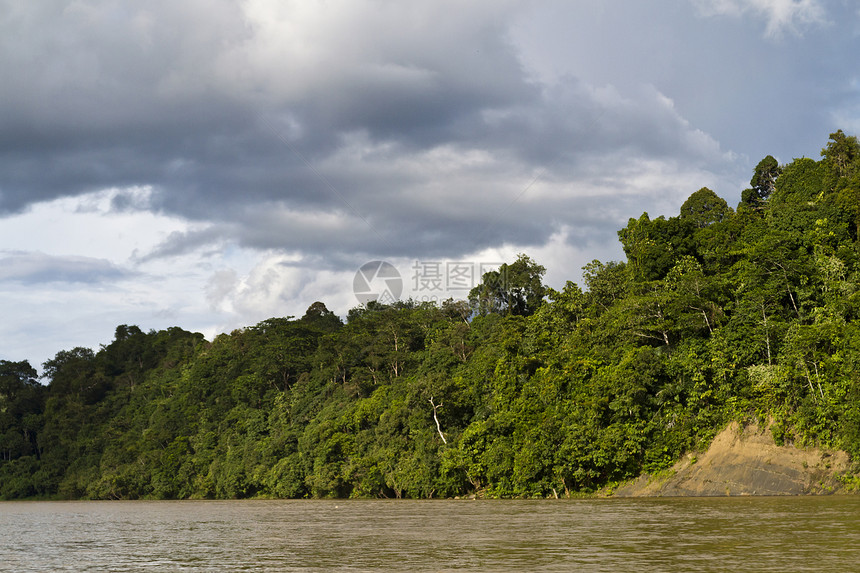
[(745, 461)]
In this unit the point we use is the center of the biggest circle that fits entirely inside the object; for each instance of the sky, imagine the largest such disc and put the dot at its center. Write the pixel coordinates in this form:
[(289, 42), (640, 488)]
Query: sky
[(212, 164)]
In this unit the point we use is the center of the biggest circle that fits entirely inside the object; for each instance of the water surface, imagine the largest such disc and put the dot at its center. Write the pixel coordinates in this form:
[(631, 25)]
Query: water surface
[(642, 535)]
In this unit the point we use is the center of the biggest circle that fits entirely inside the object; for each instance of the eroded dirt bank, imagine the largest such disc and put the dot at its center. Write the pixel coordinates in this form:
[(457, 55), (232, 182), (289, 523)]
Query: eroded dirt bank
[(745, 461)]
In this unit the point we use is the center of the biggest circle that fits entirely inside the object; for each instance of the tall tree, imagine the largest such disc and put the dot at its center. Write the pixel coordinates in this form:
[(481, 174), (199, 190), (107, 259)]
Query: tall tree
[(763, 183), (515, 289), (841, 153), (704, 208)]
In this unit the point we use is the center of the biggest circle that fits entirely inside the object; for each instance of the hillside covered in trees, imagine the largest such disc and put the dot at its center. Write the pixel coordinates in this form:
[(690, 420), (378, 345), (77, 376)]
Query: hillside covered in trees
[(718, 314)]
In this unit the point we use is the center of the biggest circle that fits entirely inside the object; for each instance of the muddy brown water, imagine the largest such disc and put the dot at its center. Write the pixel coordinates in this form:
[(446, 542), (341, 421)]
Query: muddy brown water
[(642, 535)]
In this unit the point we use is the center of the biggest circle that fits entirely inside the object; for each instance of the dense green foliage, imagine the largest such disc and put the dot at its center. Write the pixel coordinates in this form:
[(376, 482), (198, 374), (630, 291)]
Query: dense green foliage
[(717, 314)]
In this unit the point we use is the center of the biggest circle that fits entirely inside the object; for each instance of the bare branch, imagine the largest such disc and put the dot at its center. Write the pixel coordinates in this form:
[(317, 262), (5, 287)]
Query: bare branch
[(436, 419)]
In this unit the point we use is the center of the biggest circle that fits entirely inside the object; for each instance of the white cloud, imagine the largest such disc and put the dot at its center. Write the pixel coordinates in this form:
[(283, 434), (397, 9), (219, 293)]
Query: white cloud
[(780, 15), (109, 224), (277, 285)]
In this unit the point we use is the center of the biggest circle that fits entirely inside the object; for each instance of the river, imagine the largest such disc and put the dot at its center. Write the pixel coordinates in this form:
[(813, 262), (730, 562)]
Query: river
[(641, 535)]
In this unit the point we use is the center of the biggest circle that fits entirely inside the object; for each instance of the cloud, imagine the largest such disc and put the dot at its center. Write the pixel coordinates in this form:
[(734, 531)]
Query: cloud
[(109, 225), (510, 174), (219, 162), (241, 110), (170, 95), (277, 285), (35, 267), (780, 15)]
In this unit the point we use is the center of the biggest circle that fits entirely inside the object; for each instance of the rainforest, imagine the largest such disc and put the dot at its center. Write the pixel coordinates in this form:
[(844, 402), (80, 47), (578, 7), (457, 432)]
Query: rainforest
[(718, 314)]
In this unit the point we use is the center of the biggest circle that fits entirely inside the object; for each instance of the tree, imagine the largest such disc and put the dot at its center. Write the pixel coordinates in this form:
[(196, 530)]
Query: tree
[(841, 153), (72, 372), (21, 404), (691, 300), (763, 182), (606, 283), (842, 156), (653, 246), (514, 289), (319, 316), (704, 208)]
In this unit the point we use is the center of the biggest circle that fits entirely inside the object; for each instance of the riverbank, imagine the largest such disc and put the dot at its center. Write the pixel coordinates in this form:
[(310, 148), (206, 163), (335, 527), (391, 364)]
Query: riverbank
[(745, 461)]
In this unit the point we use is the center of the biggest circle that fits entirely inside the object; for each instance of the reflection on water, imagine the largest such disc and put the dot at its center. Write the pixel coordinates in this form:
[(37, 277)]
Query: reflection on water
[(683, 534)]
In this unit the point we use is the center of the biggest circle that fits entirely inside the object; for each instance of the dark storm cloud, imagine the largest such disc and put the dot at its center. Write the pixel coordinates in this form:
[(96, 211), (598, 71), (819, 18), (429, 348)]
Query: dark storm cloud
[(189, 101), (366, 128)]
